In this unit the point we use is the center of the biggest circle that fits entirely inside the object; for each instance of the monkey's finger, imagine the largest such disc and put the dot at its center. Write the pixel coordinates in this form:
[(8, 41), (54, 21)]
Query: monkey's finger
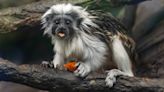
[(84, 74), (81, 69), (115, 72), (109, 83), (76, 72), (81, 75), (110, 78), (77, 64), (51, 65), (45, 64), (81, 66)]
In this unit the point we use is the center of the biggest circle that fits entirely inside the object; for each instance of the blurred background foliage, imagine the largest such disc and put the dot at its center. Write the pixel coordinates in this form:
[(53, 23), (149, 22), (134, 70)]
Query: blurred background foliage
[(90, 4), (13, 3)]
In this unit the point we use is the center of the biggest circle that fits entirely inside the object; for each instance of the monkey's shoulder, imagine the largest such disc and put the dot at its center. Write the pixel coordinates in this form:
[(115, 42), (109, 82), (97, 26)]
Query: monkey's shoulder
[(108, 23), (109, 26)]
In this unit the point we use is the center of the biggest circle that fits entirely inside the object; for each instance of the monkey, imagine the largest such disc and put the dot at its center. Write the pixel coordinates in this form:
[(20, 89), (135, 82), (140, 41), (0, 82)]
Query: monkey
[(91, 37)]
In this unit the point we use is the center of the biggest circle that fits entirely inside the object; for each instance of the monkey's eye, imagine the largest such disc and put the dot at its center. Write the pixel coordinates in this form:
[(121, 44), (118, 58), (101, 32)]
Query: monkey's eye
[(57, 22), (68, 22)]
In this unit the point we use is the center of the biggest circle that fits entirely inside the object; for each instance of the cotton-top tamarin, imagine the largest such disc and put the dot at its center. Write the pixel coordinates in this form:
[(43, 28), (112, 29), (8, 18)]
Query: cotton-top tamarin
[(90, 36)]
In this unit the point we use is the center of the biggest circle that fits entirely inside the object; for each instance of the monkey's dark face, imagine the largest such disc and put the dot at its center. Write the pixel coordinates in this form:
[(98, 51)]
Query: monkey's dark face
[(62, 27)]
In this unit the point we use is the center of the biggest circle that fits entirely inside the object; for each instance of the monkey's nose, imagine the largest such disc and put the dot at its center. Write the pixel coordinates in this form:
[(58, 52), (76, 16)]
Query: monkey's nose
[(61, 32), (62, 29)]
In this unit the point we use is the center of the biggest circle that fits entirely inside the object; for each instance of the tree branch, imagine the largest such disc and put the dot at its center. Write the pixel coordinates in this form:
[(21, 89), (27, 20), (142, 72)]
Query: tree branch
[(54, 80), (27, 16)]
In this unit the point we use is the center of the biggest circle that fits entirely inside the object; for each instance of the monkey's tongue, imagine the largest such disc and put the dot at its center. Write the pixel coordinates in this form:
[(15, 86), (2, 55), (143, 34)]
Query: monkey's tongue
[(61, 34)]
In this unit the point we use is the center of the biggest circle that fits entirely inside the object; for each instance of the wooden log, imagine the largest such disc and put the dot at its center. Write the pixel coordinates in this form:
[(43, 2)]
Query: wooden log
[(53, 80)]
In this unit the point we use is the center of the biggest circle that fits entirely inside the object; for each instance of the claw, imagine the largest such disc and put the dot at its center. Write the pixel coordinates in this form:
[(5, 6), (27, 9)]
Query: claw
[(47, 64), (82, 70), (111, 76)]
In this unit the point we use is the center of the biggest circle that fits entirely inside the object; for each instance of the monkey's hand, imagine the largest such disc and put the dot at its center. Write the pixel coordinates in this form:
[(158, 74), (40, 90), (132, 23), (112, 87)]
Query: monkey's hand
[(82, 70), (58, 65), (47, 64), (50, 64), (111, 76), (58, 61)]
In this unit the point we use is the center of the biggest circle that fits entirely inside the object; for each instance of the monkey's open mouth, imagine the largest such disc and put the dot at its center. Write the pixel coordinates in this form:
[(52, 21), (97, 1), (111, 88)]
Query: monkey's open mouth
[(61, 34)]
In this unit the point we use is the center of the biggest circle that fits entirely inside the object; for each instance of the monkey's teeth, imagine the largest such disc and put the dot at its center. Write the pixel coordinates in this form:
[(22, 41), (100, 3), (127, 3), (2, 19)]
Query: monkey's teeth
[(61, 34)]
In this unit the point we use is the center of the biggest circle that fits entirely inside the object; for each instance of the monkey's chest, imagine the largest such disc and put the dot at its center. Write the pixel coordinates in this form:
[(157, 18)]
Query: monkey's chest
[(74, 55)]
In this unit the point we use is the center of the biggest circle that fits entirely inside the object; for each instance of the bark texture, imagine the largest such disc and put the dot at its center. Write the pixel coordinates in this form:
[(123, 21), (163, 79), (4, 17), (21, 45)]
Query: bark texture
[(60, 81), (148, 34)]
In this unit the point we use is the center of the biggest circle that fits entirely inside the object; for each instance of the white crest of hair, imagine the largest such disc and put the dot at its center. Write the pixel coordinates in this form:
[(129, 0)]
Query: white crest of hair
[(90, 48), (121, 56), (67, 8)]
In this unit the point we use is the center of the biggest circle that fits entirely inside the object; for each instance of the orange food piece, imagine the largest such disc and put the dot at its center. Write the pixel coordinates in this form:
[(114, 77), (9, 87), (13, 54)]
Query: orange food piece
[(70, 66)]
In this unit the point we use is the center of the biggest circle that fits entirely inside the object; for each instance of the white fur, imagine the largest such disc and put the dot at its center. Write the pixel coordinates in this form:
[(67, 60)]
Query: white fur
[(121, 56), (111, 76), (89, 48), (122, 60)]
